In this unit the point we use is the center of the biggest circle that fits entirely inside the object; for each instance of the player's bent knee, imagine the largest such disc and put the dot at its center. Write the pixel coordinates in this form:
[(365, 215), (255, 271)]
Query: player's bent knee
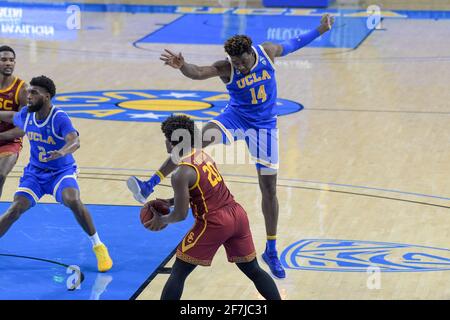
[(71, 202), (70, 197)]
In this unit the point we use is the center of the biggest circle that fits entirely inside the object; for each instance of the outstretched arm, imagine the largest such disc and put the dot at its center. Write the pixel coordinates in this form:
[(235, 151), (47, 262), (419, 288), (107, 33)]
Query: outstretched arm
[(72, 144), (218, 69), (11, 134), (278, 50)]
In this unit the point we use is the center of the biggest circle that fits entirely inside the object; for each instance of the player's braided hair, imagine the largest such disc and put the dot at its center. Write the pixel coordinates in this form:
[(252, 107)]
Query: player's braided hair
[(44, 82), (238, 44), (7, 48), (173, 123)]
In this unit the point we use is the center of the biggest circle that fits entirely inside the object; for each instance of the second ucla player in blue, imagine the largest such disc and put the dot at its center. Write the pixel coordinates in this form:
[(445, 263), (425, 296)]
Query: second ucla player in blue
[(52, 168), (249, 75)]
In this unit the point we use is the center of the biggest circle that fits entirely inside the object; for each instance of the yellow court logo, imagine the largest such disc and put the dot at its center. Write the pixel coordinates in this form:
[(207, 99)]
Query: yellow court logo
[(151, 105)]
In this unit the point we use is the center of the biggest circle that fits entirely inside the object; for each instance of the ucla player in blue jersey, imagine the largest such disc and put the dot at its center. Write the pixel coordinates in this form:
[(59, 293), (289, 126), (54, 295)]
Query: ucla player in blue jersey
[(52, 168), (249, 75)]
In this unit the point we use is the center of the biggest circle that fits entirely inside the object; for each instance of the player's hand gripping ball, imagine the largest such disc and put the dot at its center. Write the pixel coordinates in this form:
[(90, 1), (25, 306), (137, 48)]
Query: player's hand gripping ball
[(158, 205)]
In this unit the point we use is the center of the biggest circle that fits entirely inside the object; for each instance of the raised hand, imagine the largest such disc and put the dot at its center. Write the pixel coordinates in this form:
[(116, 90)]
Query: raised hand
[(171, 59), (327, 21)]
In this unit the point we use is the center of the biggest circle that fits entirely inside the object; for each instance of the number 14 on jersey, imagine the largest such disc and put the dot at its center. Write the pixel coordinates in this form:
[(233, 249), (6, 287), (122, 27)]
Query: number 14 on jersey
[(260, 97)]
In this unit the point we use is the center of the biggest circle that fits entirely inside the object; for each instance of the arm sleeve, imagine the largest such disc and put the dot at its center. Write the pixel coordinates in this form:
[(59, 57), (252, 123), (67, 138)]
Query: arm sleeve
[(20, 117), (299, 42)]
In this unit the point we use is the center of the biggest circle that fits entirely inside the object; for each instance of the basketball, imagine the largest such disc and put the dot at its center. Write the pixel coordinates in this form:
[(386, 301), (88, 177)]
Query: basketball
[(159, 205)]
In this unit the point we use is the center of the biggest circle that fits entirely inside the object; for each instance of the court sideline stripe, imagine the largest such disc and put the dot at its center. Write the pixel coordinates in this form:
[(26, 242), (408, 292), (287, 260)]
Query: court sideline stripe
[(279, 178), (297, 187), (153, 275)]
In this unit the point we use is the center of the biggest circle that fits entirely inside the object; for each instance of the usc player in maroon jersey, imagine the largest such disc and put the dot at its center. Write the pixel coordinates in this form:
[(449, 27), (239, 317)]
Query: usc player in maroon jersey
[(13, 97), (219, 219)]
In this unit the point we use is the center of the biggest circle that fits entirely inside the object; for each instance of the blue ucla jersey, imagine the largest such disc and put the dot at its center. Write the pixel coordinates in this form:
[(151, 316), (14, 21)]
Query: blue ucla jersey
[(46, 135), (254, 95)]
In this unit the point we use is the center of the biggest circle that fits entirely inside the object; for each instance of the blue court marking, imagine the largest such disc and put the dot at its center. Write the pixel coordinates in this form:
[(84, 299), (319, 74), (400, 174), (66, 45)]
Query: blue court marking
[(388, 257), (216, 28), (34, 253)]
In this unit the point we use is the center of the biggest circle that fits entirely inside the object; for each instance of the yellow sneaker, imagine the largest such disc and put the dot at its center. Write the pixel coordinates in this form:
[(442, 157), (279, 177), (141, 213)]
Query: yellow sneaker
[(104, 262)]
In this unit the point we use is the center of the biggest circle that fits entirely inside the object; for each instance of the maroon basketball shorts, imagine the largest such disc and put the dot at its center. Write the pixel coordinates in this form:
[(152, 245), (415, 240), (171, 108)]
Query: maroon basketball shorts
[(227, 226)]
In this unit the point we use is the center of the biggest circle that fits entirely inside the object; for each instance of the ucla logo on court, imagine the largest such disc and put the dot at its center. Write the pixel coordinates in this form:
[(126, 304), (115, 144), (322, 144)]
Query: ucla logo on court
[(151, 105), (358, 256)]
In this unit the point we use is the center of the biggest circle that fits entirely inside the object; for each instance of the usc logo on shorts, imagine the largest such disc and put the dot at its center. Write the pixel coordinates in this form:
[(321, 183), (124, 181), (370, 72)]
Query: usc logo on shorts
[(190, 237), (194, 235)]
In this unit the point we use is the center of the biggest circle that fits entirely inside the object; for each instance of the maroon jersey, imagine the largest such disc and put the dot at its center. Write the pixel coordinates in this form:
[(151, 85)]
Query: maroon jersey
[(9, 101), (219, 220), (209, 193)]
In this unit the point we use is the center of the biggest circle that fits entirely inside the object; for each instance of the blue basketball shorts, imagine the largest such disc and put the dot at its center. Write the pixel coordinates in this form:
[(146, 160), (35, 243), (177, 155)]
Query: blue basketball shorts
[(261, 137), (37, 182)]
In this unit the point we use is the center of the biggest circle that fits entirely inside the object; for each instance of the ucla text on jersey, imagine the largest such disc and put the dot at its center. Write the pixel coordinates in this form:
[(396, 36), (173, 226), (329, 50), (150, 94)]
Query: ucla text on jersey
[(254, 95), (46, 135)]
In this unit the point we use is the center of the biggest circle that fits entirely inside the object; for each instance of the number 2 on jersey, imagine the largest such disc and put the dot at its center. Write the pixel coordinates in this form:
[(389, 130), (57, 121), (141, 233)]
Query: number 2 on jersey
[(261, 95), (213, 175), (42, 154)]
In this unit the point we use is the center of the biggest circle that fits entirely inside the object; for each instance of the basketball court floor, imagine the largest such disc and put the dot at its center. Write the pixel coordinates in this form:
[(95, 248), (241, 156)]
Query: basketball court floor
[(363, 184)]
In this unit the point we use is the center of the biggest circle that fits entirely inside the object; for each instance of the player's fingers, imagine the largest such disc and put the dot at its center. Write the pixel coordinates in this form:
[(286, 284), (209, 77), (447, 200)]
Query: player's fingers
[(149, 225), (166, 55), (153, 210), (170, 52)]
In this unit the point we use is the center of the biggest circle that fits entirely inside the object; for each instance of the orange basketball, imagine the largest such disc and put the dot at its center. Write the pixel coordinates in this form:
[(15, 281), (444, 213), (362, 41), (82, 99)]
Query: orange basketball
[(159, 205)]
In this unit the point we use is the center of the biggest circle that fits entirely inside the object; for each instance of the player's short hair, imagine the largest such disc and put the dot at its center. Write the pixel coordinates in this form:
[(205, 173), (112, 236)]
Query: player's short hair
[(173, 123), (44, 82), (7, 48), (238, 44)]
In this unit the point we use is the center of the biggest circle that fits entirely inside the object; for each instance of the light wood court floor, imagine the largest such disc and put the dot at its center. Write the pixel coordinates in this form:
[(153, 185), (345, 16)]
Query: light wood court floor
[(367, 159)]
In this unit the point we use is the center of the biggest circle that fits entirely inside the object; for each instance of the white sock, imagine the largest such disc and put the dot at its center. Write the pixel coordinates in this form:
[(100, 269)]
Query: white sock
[(95, 239)]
